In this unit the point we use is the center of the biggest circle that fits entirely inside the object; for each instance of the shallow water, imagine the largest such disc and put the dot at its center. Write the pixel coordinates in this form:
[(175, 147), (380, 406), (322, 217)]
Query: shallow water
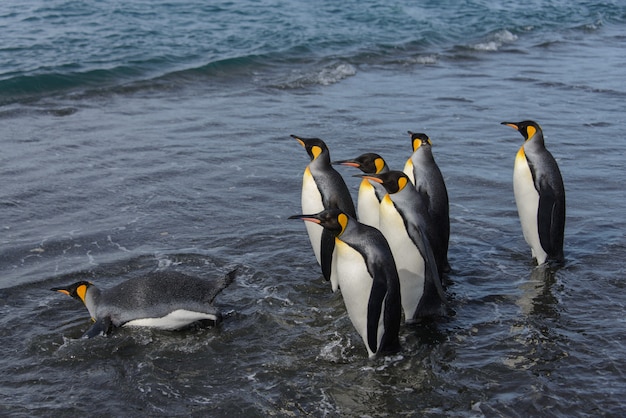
[(197, 173)]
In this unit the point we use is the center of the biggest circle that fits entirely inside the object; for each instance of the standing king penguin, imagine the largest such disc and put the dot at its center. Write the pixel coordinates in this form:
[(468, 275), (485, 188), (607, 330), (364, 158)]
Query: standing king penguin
[(425, 174), (322, 188), (164, 300), (404, 221), (364, 267), (539, 194), (370, 194)]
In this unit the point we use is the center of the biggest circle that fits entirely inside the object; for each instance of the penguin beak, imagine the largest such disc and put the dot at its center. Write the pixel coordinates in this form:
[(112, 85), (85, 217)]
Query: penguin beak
[(60, 290), (299, 140), (510, 124), (349, 163), (308, 218), (369, 177)]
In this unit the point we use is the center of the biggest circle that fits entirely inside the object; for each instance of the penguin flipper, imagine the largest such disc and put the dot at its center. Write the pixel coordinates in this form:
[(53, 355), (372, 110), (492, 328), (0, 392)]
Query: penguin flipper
[(374, 310), (550, 223), (102, 326), (432, 280), (326, 253)]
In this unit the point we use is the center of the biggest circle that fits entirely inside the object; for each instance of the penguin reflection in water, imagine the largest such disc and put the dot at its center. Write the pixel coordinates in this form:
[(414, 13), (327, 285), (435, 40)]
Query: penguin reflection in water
[(163, 300), (364, 268), (539, 194)]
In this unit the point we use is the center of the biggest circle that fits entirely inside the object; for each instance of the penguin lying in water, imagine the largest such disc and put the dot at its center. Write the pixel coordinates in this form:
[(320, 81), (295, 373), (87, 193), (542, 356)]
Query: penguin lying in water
[(163, 300)]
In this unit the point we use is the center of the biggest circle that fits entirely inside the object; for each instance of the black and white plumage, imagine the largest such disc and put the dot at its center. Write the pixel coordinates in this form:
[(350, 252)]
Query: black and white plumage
[(539, 194), (163, 300), (405, 223), (370, 194), (322, 188), (364, 267), (425, 174)]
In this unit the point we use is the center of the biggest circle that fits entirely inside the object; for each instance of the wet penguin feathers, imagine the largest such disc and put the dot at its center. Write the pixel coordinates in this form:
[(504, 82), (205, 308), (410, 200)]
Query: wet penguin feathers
[(166, 300)]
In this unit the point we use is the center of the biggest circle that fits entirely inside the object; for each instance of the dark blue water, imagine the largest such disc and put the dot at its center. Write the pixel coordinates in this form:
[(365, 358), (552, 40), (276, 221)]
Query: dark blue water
[(141, 136)]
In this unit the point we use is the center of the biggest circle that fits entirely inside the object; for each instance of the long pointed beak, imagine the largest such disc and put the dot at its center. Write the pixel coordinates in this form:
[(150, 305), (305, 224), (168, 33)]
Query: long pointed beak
[(60, 290), (298, 139), (349, 163), (510, 124), (308, 218), (369, 177)]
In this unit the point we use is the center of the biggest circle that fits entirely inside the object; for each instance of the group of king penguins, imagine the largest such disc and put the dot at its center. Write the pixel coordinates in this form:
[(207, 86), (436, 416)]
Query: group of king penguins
[(388, 255)]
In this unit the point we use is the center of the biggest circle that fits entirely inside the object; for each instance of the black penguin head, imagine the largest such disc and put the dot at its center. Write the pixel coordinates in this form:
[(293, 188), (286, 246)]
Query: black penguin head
[(313, 146), (419, 139), (527, 128), (335, 220), (77, 290), (368, 163), (393, 181)]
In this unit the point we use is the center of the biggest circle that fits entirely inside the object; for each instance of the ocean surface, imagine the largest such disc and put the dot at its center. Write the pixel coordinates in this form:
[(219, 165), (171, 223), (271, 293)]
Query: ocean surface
[(155, 135)]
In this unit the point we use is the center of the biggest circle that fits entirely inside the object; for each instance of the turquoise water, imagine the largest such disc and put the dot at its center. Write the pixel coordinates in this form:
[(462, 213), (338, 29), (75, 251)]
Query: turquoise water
[(155, 135)]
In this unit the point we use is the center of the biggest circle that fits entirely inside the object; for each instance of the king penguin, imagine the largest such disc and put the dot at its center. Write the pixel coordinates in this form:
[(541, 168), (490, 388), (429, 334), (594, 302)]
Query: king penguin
[(404, 222), (322, 188), (370, 194), (163, 300), (425, 174), (539, 194), (364, 267)]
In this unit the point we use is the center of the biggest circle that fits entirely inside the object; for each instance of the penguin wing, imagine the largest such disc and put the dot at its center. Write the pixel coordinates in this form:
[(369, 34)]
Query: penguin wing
[(423, 245), (102, 326), (374, 310), (550, 220), (326, 253)]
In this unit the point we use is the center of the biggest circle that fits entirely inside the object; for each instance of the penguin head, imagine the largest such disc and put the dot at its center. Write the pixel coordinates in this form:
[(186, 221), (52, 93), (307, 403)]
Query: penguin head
[(77, 290), (419, 139), (315, 147), (527, 128), (393, 181), (368, 163), (335, 220)]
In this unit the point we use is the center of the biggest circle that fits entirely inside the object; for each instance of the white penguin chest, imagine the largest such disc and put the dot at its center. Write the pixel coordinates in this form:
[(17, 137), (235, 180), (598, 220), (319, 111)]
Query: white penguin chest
[(174, 320), (527, 201), (311, 204), (355, 283), (368, 206), (408, 170)]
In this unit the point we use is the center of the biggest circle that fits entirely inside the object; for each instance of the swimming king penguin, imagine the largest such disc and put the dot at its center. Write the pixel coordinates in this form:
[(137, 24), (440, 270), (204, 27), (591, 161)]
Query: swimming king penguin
[(404, 222), (425, 174), (322, 188), (364, 267), (164, 300), (370, 194), (539, 194)]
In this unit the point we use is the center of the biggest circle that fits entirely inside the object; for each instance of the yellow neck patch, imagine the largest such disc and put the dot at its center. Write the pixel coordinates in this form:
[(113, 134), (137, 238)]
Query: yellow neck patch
[(316, 151), (416, 144), (380, 164), (343, 221), (81, 291), (402, 181), (530, 131)]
